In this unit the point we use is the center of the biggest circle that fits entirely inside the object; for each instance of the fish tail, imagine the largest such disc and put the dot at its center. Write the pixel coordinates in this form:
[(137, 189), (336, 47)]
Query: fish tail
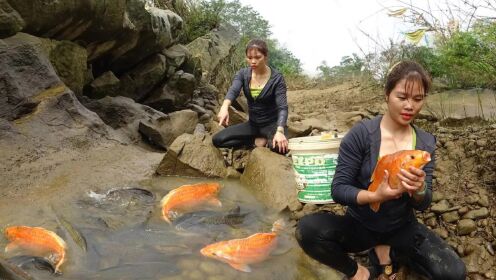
[(375, 206)]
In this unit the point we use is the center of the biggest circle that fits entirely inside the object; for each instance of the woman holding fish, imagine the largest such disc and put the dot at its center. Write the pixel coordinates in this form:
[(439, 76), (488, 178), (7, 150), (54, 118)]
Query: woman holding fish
[(384, 173), (265, 90)]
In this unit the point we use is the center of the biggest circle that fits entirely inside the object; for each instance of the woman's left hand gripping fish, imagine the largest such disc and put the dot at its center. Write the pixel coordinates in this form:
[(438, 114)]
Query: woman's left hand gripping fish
[(189, 197), (38, 242), (239, 253)]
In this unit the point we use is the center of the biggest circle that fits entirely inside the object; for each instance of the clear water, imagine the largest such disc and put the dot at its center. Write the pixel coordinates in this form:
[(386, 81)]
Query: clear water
[(127, 239)]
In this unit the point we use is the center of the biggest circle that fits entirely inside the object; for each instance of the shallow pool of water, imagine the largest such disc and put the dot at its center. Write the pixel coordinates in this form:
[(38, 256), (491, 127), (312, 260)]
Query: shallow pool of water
[(126, 237)]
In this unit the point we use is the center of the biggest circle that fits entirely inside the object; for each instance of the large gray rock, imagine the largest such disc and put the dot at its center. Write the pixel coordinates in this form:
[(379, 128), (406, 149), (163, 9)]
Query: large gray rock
[(193, 155), (10, 20), (69, 60), (138, 82), (106, 84), (176, 55), (236, 117), (123, 114), (212, 48), (270, 176), (117, 34), (173, 95), (163, 131)]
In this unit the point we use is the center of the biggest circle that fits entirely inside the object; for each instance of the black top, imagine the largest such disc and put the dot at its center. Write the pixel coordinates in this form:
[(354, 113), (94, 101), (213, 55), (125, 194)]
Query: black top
[(270, 106), (358, 154)]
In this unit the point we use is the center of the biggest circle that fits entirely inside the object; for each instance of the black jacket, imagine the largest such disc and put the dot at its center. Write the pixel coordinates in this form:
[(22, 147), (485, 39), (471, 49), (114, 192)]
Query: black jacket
[(358, 153), (270, 106)]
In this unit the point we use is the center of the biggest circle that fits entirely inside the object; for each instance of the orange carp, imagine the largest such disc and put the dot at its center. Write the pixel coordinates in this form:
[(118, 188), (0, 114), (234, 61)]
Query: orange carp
[(239, 253), (189, 197), (393, 163), (37, 241)]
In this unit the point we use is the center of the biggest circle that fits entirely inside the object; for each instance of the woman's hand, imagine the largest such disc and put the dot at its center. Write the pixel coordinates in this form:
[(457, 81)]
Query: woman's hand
[(384, 192), (281, 142), (223, 115), (412, 180)]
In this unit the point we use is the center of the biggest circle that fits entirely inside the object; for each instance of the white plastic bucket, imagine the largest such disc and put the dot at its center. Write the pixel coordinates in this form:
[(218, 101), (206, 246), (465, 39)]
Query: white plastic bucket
[(314, 163)]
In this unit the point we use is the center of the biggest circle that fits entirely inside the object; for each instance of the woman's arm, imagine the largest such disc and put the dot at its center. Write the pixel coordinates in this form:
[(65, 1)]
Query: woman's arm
[(281, 103), (351, 155), (236, 86)]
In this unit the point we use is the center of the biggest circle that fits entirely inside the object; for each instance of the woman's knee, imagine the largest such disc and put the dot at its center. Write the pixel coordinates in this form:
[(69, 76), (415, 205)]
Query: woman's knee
[(217, 140), (451, 268)]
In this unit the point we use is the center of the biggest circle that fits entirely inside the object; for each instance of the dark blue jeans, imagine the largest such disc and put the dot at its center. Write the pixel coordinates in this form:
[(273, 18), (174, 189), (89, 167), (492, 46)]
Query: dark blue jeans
[(328, 238)]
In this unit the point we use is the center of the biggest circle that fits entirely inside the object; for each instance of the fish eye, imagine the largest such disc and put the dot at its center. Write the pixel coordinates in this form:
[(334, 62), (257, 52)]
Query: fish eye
[(412, 157)]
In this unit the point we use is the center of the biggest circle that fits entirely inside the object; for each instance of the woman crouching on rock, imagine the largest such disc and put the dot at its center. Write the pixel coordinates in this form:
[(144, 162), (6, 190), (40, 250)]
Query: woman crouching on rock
[(393, 234), (265, 89)]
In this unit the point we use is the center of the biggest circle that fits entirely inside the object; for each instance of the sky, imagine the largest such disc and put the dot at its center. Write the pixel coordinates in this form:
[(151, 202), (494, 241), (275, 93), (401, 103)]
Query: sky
[(318, 30)]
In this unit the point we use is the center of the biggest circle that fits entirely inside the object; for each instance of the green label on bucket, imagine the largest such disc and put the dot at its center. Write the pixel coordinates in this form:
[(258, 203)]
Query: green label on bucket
[(314, 175)]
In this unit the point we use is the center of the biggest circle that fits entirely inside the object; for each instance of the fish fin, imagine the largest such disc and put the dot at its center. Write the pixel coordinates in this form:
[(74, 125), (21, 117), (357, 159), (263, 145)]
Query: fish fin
[(12, 247), (165, 216), (375, 206), (241, 267), (214, 202)]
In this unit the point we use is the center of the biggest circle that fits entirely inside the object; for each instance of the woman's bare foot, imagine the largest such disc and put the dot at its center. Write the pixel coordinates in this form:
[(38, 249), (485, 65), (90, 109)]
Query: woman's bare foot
[(260, 142), (361, 274)]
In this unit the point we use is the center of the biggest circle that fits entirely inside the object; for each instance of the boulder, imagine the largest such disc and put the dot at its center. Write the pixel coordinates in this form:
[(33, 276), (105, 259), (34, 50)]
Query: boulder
[(316, 124), (212, 48), (176, 56), (138, 82), (270, 177), (106, 84), (241, 104), (163, 131), (10, 20), (123, 114), (174, 94), (117, 34), (298, 129), (194, 156)]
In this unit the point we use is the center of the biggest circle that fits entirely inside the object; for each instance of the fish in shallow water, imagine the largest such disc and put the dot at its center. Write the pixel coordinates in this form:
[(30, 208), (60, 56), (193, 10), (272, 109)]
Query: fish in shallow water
[(189, 197), (38, 242), (393, 163), (239, 253), (189, 221)]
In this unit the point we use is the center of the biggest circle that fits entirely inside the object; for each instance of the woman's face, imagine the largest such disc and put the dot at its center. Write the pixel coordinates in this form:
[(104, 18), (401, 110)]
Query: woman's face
[(255, 59), (405, 101)]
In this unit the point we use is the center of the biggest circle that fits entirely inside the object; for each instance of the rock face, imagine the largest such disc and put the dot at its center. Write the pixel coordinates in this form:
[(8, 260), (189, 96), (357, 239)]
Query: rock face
[(10, 20), (117, 34), (271, 178), (193, 155)]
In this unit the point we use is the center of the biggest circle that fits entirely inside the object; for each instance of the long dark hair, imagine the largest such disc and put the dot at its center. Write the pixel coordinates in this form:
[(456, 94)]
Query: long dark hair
[(409, 70), (259, 45)]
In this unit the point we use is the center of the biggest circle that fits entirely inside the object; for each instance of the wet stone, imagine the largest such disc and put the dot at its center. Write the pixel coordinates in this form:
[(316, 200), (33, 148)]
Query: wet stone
[(443, 233), (450, 217), (484, 201), (472, 199), (463, 210), (210, 267), (432, 222), (440, 207), (437, 196), (187, 264), (466, 226), (477, 214)]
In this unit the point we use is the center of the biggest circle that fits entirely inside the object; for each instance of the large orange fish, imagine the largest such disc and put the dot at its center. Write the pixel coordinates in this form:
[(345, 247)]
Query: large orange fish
[(37, 241), (393, 163), (189, 197), (239, 253)]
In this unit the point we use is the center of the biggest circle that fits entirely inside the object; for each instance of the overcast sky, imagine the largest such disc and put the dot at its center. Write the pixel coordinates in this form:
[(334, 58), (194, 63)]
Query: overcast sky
[(317, 30)]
